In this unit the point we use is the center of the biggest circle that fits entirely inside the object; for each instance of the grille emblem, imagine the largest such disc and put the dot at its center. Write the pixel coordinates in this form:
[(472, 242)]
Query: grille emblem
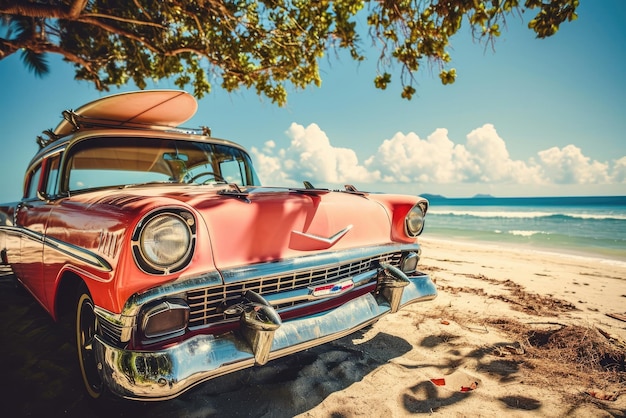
[(332, 289)]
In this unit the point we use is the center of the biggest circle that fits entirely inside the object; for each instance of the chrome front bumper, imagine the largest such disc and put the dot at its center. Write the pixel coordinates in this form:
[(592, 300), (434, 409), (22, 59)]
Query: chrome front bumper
[(165, 374)]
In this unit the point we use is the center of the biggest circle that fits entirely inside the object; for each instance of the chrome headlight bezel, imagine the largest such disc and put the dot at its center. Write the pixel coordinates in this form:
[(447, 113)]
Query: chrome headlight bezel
[(152, 244), (415, 219)]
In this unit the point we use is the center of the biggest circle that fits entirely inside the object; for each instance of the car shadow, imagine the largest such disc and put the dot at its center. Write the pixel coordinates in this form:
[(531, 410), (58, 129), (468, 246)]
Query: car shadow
[(40, 363)]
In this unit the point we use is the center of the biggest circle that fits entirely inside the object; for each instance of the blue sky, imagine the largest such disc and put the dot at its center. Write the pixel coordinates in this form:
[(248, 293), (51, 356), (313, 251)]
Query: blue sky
[(534, 118)]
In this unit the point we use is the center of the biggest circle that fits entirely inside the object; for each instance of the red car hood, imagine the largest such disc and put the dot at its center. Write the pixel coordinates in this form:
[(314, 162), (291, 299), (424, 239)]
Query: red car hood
[(264, 224), (268, 224)]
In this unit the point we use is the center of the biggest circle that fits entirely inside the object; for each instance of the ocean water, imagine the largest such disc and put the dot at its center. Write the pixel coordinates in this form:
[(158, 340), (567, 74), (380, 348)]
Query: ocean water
[(587, 226)]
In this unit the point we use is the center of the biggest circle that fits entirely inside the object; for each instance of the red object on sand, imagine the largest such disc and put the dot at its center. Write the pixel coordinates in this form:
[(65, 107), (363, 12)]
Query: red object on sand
[(470, 387)]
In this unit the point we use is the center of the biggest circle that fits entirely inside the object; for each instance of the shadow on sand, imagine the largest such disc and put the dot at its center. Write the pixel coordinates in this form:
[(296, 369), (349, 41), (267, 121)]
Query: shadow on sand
[(42, 378)]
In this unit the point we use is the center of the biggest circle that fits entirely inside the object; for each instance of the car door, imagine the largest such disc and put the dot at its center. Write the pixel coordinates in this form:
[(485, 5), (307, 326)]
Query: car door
[(31, 218)]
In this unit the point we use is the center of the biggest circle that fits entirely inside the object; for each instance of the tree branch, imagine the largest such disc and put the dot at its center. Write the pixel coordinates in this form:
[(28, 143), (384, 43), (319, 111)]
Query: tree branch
[(120, 19), (36, 10), (77, 7), (121, 32), (41, 47)]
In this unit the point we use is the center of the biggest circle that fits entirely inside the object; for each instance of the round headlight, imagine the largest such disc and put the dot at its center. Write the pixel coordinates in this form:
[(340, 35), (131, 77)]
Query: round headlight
[(414, 221), (165, 241)]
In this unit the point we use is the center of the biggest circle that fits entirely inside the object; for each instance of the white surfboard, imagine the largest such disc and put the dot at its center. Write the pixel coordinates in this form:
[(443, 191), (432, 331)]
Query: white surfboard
[(168, 108)]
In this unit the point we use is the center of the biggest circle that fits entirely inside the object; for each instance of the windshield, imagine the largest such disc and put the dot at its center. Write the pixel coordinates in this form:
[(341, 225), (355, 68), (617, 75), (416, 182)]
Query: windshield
[(103, 162)]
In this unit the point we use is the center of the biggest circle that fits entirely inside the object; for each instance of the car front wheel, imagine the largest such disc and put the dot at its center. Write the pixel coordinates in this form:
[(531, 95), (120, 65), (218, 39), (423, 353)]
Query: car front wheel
[(86, 325)]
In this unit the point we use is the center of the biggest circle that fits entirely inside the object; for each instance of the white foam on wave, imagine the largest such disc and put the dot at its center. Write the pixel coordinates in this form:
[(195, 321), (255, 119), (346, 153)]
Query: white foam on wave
[(525, 214), (525, 233)]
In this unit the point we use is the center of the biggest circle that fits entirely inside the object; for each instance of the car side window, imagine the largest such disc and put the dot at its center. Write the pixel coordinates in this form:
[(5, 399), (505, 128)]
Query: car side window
[(234, 166), (33, 183), (53, 175)]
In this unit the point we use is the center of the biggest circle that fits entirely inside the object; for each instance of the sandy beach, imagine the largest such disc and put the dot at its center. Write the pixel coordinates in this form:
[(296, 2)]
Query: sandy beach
[(512, 333)]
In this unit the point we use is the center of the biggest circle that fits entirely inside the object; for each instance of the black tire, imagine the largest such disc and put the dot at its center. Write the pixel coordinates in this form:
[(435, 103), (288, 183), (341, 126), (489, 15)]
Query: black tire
[(85, 327)]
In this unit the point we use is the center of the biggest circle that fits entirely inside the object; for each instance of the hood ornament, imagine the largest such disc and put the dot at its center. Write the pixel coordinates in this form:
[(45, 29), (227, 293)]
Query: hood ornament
[(310, 242)]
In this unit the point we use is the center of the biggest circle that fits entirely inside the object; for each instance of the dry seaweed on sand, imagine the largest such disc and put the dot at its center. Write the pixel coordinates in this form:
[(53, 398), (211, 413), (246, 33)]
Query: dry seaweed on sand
[(576, 356)]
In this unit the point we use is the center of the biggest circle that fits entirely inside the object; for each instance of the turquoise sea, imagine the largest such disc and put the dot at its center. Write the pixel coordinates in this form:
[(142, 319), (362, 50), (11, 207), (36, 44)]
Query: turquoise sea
[(588, 226)]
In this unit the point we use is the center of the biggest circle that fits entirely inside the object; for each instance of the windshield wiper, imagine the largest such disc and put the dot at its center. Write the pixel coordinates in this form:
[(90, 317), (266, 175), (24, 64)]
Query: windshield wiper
[(235, 191), (148, 183)]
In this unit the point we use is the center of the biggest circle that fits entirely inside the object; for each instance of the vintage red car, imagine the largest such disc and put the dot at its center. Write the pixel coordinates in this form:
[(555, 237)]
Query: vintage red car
[(176, 266)]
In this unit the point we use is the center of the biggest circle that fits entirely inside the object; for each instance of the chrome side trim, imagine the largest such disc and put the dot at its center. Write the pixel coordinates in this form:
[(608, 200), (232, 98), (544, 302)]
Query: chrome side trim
[(25, 232), (73, 251), (79, 253)]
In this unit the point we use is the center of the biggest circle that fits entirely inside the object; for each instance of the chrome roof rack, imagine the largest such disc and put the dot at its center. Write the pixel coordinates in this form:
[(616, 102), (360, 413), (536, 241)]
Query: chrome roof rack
[(79, 122), (51, 137)]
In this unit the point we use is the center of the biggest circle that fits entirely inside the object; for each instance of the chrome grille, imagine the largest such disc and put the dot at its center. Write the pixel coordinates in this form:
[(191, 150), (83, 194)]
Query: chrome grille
[(204, 303), (109, 330)]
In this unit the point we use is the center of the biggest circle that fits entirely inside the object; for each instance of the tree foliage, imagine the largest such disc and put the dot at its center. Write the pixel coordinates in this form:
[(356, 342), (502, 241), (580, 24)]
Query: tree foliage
[(265, 45)]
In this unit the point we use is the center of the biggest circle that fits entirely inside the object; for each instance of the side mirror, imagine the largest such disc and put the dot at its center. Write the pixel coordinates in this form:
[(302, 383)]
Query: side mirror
[(43, 196)]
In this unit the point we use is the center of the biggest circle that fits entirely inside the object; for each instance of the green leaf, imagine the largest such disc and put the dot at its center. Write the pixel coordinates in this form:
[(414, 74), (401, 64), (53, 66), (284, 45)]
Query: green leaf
[(268, 46), (35, 62)]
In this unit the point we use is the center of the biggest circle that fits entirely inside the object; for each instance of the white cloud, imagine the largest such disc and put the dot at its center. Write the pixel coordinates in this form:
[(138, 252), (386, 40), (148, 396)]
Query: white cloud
[(436, 160), (488, 151), (310, 156), (402, 159), (272, 169), (570, 166), (619, 171)]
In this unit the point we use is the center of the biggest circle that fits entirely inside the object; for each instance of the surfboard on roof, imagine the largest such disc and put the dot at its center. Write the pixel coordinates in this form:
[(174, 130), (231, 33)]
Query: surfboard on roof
[(165, 108)]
